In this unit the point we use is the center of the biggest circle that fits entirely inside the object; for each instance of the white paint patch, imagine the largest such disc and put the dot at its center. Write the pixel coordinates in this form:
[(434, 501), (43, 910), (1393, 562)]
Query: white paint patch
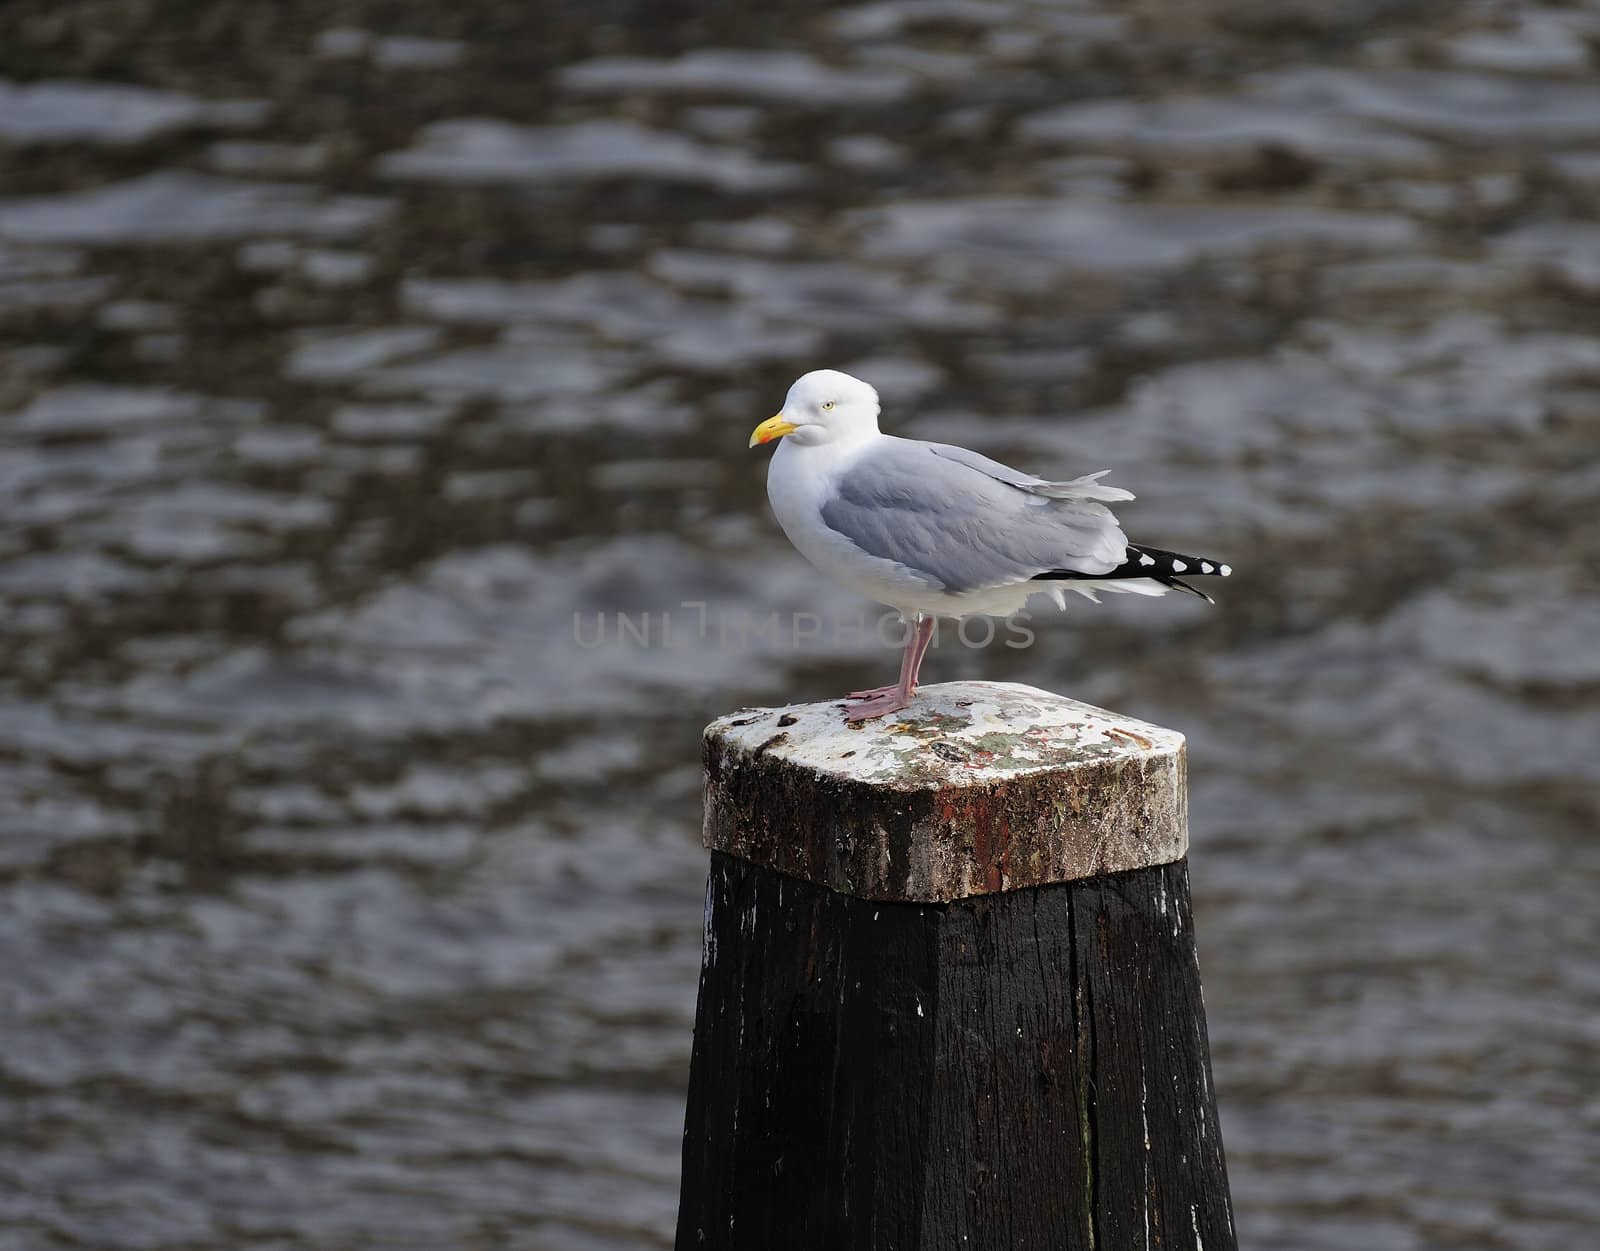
[(1205, 566), (1147, 560), (996, 730), (1179, 567), (1226, 570)]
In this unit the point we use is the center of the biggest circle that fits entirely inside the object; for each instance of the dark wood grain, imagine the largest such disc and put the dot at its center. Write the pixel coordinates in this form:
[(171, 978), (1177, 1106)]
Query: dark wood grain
[(1025, 1070)]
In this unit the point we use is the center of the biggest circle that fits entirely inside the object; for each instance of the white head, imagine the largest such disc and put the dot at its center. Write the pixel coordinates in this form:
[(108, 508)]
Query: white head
[(821, 407)]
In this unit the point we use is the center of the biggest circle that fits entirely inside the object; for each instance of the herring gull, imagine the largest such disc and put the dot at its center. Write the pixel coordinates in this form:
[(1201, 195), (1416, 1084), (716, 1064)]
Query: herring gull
[(935, 530)]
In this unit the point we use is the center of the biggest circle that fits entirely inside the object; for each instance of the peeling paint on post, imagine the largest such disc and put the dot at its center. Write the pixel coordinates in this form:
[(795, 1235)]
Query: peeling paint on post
[(950, 995), (979, 787)]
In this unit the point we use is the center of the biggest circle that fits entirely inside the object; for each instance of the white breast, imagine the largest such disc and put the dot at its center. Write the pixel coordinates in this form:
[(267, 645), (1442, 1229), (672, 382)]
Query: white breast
[(799, 479)]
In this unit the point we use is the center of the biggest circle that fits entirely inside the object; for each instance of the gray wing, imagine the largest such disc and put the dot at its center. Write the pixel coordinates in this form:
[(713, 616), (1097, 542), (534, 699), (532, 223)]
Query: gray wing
[(959, 521)]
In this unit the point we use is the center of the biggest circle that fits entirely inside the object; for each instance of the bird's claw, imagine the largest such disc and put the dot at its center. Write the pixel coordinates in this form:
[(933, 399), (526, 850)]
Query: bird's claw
[(891, 701), (872, 692)]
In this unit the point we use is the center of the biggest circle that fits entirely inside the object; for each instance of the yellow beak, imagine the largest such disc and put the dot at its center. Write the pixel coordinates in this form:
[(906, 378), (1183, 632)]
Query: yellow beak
[(772, 428)]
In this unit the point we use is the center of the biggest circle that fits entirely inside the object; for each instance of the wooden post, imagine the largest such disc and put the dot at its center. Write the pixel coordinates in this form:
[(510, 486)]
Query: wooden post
[(949, 996)]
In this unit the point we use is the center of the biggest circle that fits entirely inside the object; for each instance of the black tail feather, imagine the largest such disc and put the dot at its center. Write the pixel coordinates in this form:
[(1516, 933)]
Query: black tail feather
[(1154, 563)]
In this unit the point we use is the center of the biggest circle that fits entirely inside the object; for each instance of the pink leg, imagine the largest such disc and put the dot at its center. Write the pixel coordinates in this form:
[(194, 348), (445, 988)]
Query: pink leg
[(906, 661), (924, 638), (891, 699)]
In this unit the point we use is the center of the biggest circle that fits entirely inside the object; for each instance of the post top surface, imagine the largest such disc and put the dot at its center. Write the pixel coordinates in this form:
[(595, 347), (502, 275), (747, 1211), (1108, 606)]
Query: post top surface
[(953, 734)]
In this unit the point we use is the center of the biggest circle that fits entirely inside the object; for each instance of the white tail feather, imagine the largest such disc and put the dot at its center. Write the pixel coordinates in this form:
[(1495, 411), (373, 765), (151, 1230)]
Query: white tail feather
[(1120, 586)]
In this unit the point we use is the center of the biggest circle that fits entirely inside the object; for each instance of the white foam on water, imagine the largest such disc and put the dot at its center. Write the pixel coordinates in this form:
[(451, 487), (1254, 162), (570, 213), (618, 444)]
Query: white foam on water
[(60, 111), (783, 76), (176, 207), (488, 150)]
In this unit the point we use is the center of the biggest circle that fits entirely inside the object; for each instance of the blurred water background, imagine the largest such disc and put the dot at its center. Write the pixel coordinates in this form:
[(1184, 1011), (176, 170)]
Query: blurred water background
[(351, 353)]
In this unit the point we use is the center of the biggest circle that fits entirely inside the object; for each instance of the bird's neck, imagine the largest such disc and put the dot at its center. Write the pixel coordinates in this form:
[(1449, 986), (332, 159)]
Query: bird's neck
[(823, 460)]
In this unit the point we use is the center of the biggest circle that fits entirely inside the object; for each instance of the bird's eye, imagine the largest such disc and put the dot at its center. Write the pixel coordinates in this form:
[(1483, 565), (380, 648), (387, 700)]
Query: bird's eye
[(826, 405)]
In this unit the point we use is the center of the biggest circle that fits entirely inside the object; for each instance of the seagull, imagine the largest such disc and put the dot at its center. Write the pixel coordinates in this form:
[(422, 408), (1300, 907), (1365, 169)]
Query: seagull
[(933, 530)]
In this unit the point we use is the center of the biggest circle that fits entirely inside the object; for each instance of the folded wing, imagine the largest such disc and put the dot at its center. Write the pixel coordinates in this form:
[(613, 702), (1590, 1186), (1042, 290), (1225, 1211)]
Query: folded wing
[(970, 523)]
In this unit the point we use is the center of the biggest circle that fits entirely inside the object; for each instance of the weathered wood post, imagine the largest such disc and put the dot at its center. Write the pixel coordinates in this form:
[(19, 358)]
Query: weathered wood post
[(950, 996)]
